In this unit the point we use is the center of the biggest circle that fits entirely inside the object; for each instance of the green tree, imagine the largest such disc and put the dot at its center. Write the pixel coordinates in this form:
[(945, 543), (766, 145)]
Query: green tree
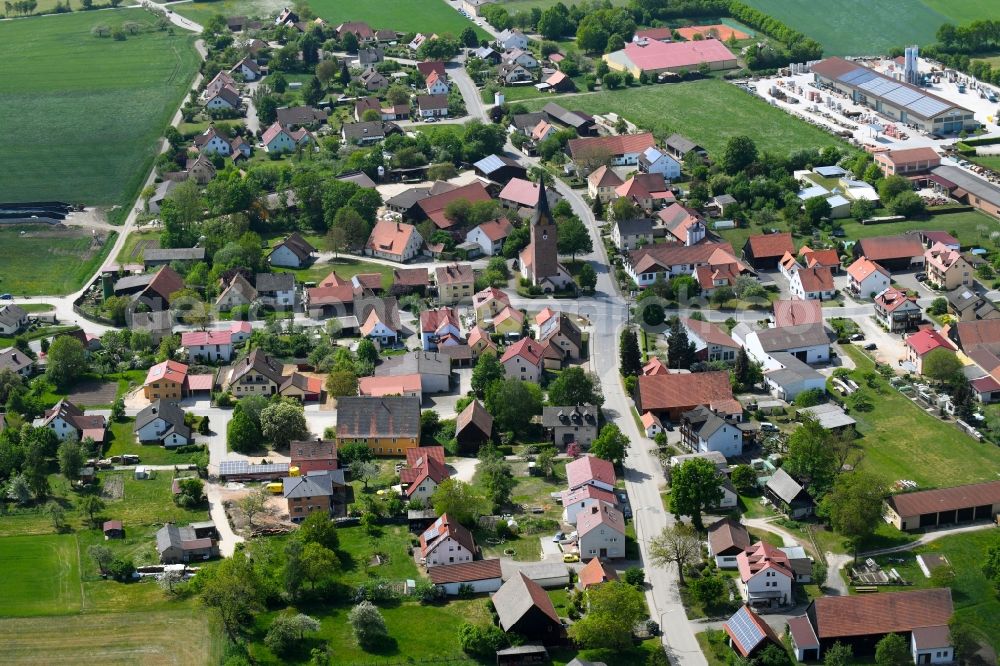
[(102, 557), (284, 422), (574, 386), (349, 42), (487, 372), (71, 459), (614, 608), (342, 382), (92, 505), (907, 204), (744, 479), (233, 589), (318, 528), (854, 504), (694, 487), (630, 358), (893, 186), (574, 237), (964, 640), (352, 451), (939, 305), (816, 209), (611, 444), (839, 654), (67, 360), (709, 590), (317, 563), (680, 349), (941, 365), (242, 433), (368, 625), (513, 403), (740, 152), (458, 500), (121, 569), (468, 38), (482, 641), (893, 650), (677, 544), (288, 630), (364, 471), (586, 277), (810, 457), (497, 479)]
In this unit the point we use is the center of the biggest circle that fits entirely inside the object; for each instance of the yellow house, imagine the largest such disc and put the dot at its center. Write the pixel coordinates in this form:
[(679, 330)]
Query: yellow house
[(489, 302), (455, 283), (508, 321), (389, 426), (165, 381)]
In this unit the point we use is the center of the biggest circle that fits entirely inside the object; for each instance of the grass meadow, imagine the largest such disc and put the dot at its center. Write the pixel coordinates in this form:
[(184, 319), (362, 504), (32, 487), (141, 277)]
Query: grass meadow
[(901, 441), (82, 114), (45, 260), (401, 15), (41, 576), (708, 112)]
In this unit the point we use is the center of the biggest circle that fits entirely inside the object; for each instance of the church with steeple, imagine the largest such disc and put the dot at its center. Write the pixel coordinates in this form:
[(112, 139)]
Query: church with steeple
[(540, 259)]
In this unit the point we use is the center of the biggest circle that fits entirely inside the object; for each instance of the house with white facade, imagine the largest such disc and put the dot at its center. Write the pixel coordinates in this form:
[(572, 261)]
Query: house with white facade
[(446, 542), (395, 241), (512, 39), (12, 319), (208, 345), (727, 538), (211, 142), (812, 284), (600, 532), (524, 360), (162, 422), (582, 498), (808, 343), (481, 576), (490, 236), (425, 470), (280, 139), (590, 470), (702, 430), (867, 278), (654, 160), (765, 576), (68, 421)]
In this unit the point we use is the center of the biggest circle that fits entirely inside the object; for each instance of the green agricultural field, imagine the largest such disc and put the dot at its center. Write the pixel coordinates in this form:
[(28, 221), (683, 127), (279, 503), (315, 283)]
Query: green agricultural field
[(41, 576), (161, 638), (860, 27), (82, 114), (988, 161), (708, 112), (963, 11), (975, 600), (514, 6), (40, 259), (901, 441), (401, 15)]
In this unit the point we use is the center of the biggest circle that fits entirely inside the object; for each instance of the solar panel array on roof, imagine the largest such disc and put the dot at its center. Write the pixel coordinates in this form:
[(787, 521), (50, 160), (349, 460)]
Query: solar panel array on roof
[(746, 631), (894, 91), (234, 467)]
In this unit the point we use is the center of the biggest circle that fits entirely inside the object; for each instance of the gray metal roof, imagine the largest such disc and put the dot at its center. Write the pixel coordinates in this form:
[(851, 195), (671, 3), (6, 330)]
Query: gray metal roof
[(830, 416), (174, 254), (794, 370), (793, 337), (974, 185), (275, 282), (784, 486), (310, 485)]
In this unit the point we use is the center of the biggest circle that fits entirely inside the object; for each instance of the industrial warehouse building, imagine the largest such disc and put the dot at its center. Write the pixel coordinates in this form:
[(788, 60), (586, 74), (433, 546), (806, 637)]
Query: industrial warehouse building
[(944, 506), (967, 188), (653, 57), (894, 99)]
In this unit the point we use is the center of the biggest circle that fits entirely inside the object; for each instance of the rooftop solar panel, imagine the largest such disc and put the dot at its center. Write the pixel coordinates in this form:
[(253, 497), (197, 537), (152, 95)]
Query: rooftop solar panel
[(879, 86), (854, 74), (928, 107), (746, 631), (903, 96)]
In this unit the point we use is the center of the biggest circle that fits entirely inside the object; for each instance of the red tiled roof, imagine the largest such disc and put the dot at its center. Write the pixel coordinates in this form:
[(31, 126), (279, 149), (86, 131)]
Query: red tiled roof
[(454, 274), (655, 33), (525, 347), (343, 293), (655, 367), (675, 391), (520, 191), (827, 257), (908, 156), (817, 278), (198, 338), (595, 573), (497, 229), (433, 320), (887, 612), (666, 255), (425, 68), (411, 277), (604, 176), (926, 340), (881, 248), (433, 206), (946, 499), (657, 55), (589, 468), (759, 557), (863, 267), (200, 382), (892, 299), (390, 237), (709, 332), (387, 385), (611, 145), (770, 245), (170, 370), (586, 492), (602, 514), (442, 528), (465, 572)]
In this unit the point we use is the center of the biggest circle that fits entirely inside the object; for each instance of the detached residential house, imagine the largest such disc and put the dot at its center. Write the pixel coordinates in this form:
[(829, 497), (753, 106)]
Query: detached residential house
[(667, 260), (437, 84), (432, 106), (389, 426), (922, 343), (439, 328), (166, 380), (12, 319), (257, 374), (15, 360), (702, 430), (311, 492), (225, 98), (867, 279), (208, 345), (162, 422), (280, 139), (947, 268), (394, 241), (446, 542), (524, 609), (489, 302), (372, 80), (510, 72), (238, 292), (523, 360), (192, 543), (425, 470), (455, 283), (812, 284), (583, 498), (520, 57), (247, 68), (68, 421), (601, 532), (897, 311), (727, 538), (654, 160), (619, 150), (512, 39), (276, 289), (363, 133), (603, 182), (765, 576), (490, 236), (571, 424), (711, 343), (966, 305), (211, 142), (588, 470)]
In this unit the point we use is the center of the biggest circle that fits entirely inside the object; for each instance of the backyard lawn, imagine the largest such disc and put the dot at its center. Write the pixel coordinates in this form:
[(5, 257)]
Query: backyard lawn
[(41, 576), (103, 104), (709, 112), (971, 228), (346, 267), (901, 441), (402, 15), (44, 260), (975, 599), (123, 441)]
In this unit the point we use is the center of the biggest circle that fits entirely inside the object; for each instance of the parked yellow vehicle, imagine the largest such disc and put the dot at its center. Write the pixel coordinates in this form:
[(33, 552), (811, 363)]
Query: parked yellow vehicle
[(275, 488)]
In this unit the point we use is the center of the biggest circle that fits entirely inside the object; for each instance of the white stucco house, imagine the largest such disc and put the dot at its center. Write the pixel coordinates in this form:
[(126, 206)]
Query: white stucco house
[(601, 532), (654, 160), (582, 499), (446, 542), (162, 422)]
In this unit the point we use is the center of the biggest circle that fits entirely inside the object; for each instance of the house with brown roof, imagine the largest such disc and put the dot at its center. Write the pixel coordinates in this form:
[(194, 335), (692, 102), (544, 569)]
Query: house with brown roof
[(490, 235), (15, 360), (970, 335), (812, 284), (439, 328), (602, 182), (711, 343), (907, 161), (433, 206), (682, 224), (524, 360), (668, 396), (893, 253), (667, 260), (944, 506), (594, 573), (455, 283), (292, 252), (67, 421), (425, 470), (648, 191), (446, 542), (765, 576), (619, 150), (478, 576), (897, 310), (314, 455), (524, 608), (947, 268), (861, 621), (432, 106), (560, 333), (473, 427), (764, 251), (867, 278), (256, 374), (395, 241), (410, 281), (727, 538)]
